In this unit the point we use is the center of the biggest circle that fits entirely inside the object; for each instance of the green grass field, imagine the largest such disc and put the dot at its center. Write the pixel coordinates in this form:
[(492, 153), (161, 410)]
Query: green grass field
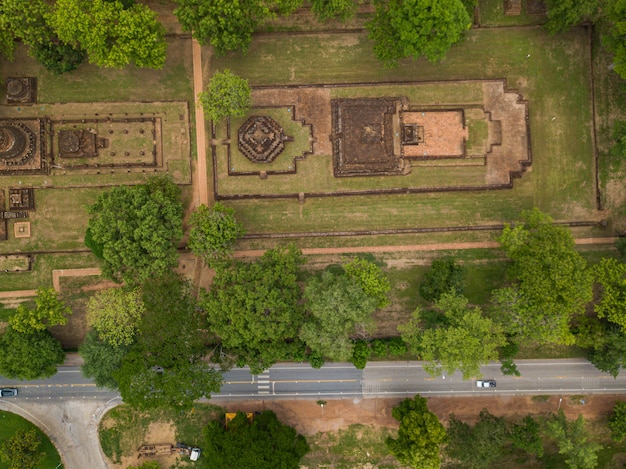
[(10, 423)]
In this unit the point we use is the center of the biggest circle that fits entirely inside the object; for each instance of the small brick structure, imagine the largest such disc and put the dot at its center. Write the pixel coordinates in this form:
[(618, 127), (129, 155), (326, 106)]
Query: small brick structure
[(21, 229), (21, 90)]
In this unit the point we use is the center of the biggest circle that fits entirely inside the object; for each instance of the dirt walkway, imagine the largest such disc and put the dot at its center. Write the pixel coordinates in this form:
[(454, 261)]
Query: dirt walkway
[(199, 178)]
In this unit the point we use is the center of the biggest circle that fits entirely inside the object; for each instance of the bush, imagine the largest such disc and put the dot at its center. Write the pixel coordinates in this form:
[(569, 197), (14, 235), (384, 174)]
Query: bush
[(316, 360), (396, 346), (360, 354), (379, 347), (444, 276)]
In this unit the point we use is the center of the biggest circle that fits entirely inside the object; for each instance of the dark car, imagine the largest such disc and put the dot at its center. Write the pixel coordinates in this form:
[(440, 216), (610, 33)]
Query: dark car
[(8, 392)]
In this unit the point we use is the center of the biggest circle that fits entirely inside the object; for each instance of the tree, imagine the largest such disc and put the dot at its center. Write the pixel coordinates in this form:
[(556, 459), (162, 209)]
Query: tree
[(477, 446), (57, 56), (49, 311), (371, 279), (562, 14), (617, 421), (164, 368), (264, 443), (101, 360), (253, 307), (339, 311), (419, 437), (29, 356), (325, 10), (227, 95), (412, 28), (22, 450), (468, 341), (137, 228), (111, 34), (553, 284), (214, 232), (611, 275), (608, 350), (115, 314), (573, 441), (614, 40), (444, 276), (526, 436)]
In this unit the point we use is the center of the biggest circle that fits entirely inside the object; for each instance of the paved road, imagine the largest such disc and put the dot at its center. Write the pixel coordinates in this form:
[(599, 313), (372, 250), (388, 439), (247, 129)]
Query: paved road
[(337, 380)]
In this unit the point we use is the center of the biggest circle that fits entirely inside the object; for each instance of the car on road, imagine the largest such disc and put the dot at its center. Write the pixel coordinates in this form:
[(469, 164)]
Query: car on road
[(8, 392), (485, 383)]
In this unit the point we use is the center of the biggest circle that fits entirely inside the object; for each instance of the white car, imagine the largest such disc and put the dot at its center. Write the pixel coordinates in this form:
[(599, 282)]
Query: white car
[(485, 383)]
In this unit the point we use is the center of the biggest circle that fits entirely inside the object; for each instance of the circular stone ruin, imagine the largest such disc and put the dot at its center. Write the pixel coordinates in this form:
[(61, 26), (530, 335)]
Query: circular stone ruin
[(261, 139), (17, 143)]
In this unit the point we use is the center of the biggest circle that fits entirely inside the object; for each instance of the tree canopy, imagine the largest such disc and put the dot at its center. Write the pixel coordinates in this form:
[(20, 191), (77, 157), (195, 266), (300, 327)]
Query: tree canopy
[(227, 95), (49, 311), (527, 437), (253, 307), (412, 28), (339, 311), (264, 443), (112, 34), (444, 276), (137, 228), (164, 368), (328, 9), (420, 435), (611, 275), (371, 279), (468, 340), (115, 314), (101, 360), (552, 282), (22, 450), (29, 356), (573, 441), (214, 232), (563, 14)]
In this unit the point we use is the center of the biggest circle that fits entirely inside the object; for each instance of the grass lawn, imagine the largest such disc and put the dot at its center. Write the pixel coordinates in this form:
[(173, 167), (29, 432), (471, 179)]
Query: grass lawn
[(10, 423)]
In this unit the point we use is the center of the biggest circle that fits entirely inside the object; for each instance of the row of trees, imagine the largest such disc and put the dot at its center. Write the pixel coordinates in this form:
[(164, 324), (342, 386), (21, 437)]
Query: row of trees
[(61, 35), (422, 439)]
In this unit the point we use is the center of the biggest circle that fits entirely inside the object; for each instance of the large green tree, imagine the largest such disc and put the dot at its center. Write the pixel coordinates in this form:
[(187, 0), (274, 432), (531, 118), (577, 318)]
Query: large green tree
[(371, 279), (227, 95), (552, 282), (253, 307), (573, 441), (22, 450), (101, 360), (137, 229), (563, 14), (264, 443), (214, 232), (29, 356), (49, 311), (611, 275), (617, 421), (614, 40), (339, 311), (115, 314), (164, 368), (476, 446), (527, 437), (112, 34), (420, 435), (467, 341), (412, 28), (444, 276)]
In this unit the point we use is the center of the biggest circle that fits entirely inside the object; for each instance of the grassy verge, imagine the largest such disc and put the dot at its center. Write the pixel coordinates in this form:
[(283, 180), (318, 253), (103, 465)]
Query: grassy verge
[(10, 423)]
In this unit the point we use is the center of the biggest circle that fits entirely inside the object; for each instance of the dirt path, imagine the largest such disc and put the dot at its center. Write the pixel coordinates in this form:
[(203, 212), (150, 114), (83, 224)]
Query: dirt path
[(413, 247), (199, 179)]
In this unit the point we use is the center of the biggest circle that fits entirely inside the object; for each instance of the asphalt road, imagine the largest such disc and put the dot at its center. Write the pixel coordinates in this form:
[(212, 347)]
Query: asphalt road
[(337, 380)]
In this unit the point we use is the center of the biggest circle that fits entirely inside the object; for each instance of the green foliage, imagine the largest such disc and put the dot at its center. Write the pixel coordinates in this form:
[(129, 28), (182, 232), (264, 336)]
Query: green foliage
[(325, 10), (477, 446), (617, 421), (412, 28), (379, 347), (611, 275), (227, 95), (526, 436), (608, 349), (614, 40), (573, 441), (618, 135), (91, 244), (264, 443), (396, 346), (507, 353), (214, 232), (115, 314), (360, 354), (253, 307), (111, 34), (101, 360), (553, 282), (164, 368), (49, 311), (316, 360), (137, 228), (58, 58), (419, 437), (27, 20), (469, 341), (563, 14), (620, 245), (444, 276), (339, 311), (29, 356), (147, 465), (22, 450), (371, 279)]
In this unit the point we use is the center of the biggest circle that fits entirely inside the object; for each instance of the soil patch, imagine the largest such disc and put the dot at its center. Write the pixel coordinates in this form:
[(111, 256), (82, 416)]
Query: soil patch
[(158, 432)]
